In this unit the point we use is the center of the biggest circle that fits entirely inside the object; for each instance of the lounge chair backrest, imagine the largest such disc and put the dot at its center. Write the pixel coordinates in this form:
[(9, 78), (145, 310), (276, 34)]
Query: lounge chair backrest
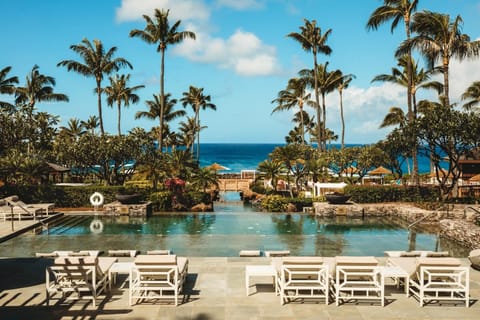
[(434, 262)]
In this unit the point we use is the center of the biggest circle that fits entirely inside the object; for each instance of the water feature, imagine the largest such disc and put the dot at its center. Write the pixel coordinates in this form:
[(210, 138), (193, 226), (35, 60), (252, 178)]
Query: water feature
[(225, 232)]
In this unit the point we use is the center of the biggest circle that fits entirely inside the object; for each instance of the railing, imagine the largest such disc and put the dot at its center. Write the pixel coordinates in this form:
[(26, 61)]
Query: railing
[(426, 216)]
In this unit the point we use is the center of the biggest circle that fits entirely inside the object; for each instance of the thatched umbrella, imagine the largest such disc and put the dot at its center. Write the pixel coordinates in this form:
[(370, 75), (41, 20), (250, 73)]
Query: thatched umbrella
[(217, 167), (380, 171)]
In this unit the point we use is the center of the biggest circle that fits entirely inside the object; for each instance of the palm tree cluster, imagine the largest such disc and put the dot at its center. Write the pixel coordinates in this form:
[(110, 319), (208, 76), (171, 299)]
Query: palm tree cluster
[(321, 81), (438, 39), (62, 144)]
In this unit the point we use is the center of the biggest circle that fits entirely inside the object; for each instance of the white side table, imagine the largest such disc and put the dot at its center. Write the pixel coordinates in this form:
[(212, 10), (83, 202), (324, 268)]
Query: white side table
[(119, 268), (397, 273), (259, 271)]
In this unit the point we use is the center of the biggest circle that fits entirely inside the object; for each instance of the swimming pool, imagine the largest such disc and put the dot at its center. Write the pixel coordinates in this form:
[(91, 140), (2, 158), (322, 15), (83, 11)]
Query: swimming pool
[(226, 232)]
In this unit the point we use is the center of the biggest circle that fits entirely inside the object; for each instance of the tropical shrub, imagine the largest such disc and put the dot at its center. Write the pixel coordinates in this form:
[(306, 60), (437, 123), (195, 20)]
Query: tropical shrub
[(375, 194)]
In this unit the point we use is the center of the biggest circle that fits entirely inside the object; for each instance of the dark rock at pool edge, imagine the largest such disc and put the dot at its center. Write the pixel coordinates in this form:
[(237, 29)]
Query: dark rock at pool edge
[(337, 198)]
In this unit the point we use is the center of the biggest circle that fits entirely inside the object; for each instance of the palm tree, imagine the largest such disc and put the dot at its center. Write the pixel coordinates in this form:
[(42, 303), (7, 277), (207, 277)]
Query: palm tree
[(419, 79), (395, 116), (270, 169), (96, 63), (188, 131), (7, 86), (118, 92), (472, 93), (38, 87), (439, 38), (204, 178), (155, 112), (414, 79), (294, 95), (91, 124), (343, 84), (312, 40), (74, 129), (327, 82), (158, 31), (197, 100), (395, 11)]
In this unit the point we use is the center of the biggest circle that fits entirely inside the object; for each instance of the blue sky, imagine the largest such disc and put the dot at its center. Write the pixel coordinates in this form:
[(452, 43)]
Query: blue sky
[(241, 57)]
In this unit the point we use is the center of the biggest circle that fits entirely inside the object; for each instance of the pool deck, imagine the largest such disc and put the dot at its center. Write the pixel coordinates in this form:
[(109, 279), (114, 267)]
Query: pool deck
[(215, 289)]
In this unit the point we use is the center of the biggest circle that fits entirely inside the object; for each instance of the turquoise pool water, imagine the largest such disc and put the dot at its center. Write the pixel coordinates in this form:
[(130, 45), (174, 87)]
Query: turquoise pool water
[(226, 232)]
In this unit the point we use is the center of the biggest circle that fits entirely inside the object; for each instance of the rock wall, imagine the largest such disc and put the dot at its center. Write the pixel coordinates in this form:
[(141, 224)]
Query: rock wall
[(456, 223)]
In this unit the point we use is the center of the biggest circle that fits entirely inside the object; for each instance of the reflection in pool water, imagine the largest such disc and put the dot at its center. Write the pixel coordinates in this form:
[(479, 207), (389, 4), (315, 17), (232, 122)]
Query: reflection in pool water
[(226, 232)]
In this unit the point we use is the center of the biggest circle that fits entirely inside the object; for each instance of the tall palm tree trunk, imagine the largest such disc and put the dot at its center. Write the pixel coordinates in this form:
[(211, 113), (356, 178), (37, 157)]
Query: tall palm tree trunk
[(303, 122), (119, 116), (162, 101), (446, 84), (317, 101), (197, 121), (99, 102), (342, 118), (324, 127)]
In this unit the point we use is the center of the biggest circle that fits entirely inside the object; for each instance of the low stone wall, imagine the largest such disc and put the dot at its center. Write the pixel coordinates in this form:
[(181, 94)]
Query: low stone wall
[(456, 223), (134, 210)]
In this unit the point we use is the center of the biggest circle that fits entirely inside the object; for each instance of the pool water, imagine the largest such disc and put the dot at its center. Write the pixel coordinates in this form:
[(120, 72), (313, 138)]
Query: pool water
[(227, 231)]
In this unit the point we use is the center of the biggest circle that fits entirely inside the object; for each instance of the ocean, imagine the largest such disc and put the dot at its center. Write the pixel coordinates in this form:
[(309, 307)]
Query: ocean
[(247, 156)]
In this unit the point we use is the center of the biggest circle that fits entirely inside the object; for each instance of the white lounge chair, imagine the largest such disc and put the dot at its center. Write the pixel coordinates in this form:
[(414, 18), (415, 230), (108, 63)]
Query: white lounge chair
[(302, 278), (78, 277), (122, 253), (9, 207), (436, 279), (158, 277), (358, 278), (39, 208), (68, 253), (417, 253)]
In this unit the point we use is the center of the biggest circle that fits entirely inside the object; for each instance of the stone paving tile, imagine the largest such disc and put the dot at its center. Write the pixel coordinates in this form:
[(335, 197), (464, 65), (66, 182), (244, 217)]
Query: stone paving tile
[(215, 289)]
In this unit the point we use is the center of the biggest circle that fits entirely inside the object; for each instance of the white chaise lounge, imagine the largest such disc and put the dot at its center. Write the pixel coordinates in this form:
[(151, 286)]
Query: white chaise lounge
[(78, 277), (436, 279), (302, 278), (157, 277), (358, 278)]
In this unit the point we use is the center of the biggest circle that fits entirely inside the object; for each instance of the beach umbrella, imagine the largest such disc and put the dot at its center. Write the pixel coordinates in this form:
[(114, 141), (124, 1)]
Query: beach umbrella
[(380, 171), (217, 167)]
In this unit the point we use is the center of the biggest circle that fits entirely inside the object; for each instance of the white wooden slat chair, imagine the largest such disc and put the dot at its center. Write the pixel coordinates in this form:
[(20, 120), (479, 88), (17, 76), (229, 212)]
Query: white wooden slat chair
[(302, 278), (78, 277), (157, 277), (358, 278)]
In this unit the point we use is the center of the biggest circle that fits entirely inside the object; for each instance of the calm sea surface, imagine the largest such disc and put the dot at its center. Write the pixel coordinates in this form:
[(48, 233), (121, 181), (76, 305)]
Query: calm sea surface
[(247, 156)]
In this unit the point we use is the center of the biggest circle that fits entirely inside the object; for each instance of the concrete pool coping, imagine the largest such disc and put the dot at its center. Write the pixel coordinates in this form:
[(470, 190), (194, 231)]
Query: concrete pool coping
[(215, 289)]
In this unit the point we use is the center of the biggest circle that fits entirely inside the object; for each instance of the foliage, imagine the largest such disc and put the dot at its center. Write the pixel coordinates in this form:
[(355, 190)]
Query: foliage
[(277, 203), (377, 193)]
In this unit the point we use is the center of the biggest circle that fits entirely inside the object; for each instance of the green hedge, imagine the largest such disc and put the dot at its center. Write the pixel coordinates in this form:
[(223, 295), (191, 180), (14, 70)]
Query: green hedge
[(375, 194), (79, 196), (66, 196), (277, 203)]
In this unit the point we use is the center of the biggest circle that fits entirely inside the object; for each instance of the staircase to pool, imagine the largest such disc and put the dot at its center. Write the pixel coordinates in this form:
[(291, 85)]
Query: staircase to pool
[(63, 224)]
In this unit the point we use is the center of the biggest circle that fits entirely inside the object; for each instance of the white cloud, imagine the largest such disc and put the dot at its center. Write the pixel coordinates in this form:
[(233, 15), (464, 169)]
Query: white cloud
[(131, 10), (242, 52), (240, 4), (461, 76), (364, 111)]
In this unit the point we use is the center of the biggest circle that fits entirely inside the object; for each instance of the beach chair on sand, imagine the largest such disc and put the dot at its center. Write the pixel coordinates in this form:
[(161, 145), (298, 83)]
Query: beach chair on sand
[(436, 279), (358, 278), (301, 278), (157, 277), (78, 277)]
